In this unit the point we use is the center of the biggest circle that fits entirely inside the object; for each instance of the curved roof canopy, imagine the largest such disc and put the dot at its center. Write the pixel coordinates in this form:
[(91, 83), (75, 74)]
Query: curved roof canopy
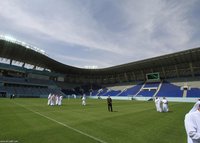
[(19, 53)]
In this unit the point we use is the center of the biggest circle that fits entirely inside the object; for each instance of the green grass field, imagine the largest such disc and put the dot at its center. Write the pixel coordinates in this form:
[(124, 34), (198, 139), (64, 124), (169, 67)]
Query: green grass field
[(32, 121)]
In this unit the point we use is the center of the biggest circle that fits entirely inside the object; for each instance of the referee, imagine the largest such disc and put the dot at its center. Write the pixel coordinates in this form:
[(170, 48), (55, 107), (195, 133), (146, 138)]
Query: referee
[(109, 102)]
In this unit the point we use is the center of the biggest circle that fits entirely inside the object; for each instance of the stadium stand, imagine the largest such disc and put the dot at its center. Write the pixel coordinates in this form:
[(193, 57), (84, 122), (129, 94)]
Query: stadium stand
[(131, 91), (193, 92), (28, 87), (112, 93), (152, 89), (179, 75), (170, 90), (146, 93)]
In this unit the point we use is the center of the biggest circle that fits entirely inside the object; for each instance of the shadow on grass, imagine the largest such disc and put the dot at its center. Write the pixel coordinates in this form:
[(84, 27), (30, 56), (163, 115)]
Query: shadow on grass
[(112, 111), (168, 112)]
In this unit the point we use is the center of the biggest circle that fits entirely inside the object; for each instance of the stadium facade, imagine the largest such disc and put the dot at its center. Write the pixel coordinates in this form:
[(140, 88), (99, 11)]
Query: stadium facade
[(27, 72)]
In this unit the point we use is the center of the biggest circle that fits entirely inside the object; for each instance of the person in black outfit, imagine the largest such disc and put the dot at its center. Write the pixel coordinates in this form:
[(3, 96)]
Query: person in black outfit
[(109, 102)]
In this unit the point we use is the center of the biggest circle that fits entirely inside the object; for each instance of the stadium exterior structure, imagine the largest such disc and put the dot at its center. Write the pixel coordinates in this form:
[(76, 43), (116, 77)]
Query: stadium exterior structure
[(184, 64)]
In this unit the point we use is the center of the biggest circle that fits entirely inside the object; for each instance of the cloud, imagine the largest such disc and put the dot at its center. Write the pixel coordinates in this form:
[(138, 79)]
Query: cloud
[(75, 27), (82, 62), (159, 26), (106, 32)]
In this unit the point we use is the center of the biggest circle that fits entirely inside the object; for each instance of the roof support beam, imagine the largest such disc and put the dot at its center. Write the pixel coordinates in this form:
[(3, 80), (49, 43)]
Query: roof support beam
[(191, 69), (144, 76), (163, 70), (133, 74), (176, 69), (125, 76)]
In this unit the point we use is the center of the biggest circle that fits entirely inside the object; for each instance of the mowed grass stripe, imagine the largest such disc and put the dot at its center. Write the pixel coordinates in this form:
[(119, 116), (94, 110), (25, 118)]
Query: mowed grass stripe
[(65, 125), (26, 127), (132, 121)]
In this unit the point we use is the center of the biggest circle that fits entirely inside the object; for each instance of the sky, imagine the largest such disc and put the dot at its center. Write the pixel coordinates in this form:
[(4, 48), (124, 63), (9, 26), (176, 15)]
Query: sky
[(103, 33)]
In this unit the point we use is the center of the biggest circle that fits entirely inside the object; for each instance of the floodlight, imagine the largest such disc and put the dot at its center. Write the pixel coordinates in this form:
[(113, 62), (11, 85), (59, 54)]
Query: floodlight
[(13, 40)]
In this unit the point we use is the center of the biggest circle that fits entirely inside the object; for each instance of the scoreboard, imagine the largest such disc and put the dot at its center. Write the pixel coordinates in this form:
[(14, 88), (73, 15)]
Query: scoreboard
[(153, 76)]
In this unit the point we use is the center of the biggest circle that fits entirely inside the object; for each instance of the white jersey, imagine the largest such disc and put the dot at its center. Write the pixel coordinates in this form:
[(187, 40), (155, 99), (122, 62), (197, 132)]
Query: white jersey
[(49, 99), (57, 99), (157, 103), (165, 105), (60, 100), (84, 100), (192, 126), (53, 102)]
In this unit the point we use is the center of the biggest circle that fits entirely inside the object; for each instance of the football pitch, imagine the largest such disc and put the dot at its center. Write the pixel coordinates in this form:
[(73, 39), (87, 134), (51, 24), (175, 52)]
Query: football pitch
[(32, 121)]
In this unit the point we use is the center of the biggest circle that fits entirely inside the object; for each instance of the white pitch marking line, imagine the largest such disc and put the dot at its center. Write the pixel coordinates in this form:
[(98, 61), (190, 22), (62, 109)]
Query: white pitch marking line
[(67, 126)]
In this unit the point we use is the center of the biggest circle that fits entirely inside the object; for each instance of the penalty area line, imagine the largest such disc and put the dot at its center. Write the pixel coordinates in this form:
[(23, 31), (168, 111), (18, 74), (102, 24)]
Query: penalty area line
[(65, 125)]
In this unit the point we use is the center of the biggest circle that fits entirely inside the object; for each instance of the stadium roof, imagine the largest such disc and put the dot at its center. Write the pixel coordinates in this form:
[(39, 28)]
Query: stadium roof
[(19, 53)]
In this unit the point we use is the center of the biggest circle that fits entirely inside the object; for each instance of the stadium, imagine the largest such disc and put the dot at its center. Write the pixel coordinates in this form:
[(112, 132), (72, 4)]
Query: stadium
[(175, 76), (30, 75), (105, 71)]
